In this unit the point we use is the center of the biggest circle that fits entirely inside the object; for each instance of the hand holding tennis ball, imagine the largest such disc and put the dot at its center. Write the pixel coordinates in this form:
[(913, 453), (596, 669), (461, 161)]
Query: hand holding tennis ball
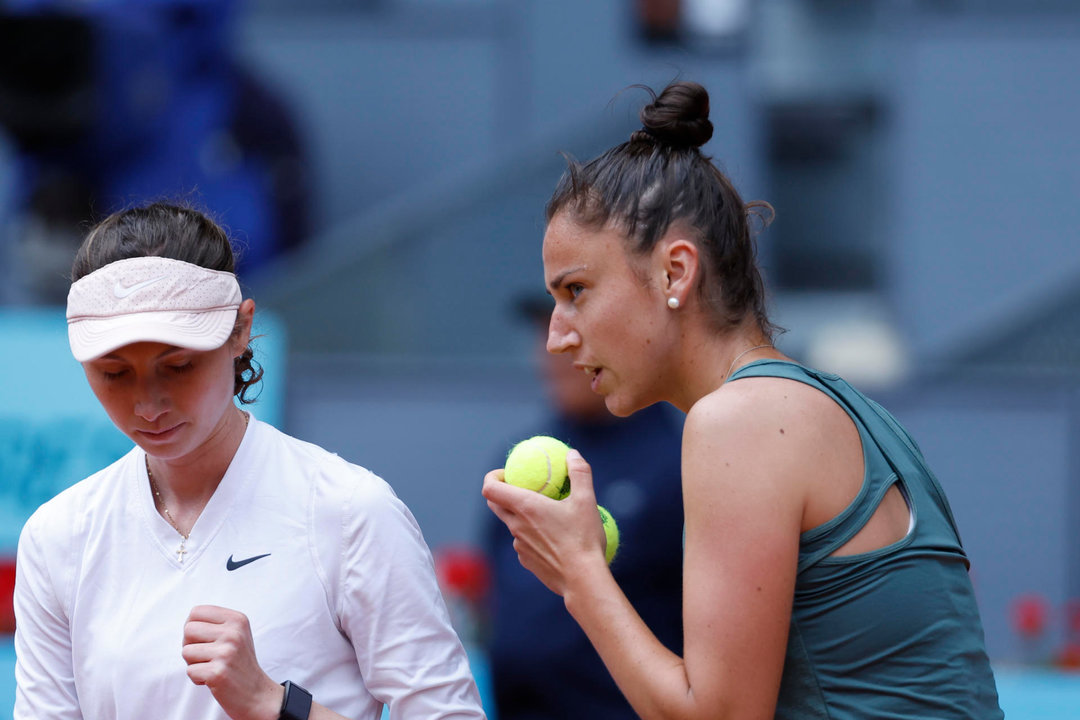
[(539, 464)]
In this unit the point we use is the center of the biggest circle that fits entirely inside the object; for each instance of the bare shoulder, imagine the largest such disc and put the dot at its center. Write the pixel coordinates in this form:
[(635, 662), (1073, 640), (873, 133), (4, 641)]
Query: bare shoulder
[(761, 433), (762, 409)]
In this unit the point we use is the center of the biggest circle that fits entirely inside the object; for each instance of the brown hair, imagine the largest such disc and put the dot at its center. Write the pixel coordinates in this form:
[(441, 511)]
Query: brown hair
[(171, 231), (659, 178)]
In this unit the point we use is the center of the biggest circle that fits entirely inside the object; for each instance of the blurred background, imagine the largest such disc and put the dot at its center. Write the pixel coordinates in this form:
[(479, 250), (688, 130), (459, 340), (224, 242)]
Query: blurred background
[(384, 164)]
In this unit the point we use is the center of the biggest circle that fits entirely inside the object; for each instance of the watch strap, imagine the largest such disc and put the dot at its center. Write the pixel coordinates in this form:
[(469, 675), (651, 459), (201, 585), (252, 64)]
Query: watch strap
[(296, 705)]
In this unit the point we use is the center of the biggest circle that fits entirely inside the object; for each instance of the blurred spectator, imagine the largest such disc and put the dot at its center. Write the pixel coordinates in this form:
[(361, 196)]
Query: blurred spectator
[(541, 662), (114, 102)]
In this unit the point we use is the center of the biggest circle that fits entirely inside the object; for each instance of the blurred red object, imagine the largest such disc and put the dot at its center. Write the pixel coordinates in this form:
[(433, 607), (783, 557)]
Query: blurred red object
[(1069, 657), (7, 593), (463, 570), (1029, 613)]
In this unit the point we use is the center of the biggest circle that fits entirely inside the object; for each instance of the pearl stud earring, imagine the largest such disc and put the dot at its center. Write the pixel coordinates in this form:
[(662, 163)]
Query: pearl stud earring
[(673, 303)]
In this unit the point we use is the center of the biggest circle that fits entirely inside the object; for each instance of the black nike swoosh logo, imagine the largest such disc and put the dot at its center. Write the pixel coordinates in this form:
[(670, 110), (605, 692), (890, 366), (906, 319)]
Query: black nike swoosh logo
[(231, 564)]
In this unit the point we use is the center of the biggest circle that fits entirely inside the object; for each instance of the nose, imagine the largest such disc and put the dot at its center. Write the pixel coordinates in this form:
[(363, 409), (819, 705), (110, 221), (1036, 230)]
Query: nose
[(150, 401), (562, 337)]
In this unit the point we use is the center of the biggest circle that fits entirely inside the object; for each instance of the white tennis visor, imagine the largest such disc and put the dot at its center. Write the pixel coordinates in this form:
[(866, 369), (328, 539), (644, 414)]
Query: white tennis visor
[(151, 299)]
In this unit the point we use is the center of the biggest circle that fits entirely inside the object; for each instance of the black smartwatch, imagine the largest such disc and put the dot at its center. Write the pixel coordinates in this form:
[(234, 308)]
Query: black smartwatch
[(296, 705)]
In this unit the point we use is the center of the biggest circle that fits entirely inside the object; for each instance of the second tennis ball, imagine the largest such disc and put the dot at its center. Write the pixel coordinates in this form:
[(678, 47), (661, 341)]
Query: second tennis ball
[(611, 533), (539, 463)]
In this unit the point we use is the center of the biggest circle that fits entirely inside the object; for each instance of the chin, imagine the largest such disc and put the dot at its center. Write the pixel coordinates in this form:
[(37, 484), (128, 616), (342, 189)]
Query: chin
[(620, 408)]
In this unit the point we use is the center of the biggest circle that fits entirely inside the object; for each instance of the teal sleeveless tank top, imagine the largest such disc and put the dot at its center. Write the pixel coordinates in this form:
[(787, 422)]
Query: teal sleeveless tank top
[(893, 633)]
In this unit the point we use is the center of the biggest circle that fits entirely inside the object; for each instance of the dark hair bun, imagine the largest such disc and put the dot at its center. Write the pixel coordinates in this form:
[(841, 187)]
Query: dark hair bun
[(679, 116)]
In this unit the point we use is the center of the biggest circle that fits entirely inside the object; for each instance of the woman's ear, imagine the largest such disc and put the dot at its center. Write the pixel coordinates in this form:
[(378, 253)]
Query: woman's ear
[(245, 316), (680, 263)]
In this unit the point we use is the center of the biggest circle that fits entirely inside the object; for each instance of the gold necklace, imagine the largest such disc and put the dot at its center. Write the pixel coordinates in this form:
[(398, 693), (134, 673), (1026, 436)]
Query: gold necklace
[(756, 347), (182, 550)]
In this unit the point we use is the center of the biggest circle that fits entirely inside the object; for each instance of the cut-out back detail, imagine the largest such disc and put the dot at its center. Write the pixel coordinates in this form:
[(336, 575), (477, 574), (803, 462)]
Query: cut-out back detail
[(891, 522)]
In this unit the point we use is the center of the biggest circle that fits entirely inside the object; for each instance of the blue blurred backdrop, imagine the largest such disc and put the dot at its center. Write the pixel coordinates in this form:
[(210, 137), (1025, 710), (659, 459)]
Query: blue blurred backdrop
[(385, 165)]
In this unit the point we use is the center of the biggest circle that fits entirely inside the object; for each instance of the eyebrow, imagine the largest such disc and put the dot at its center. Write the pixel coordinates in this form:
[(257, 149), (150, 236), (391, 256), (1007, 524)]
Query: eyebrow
[(558, 280)]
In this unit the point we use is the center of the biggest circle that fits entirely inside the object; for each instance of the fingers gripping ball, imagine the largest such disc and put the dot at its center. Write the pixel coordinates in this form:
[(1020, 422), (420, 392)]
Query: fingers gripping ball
[(539, 464), (611, 533)]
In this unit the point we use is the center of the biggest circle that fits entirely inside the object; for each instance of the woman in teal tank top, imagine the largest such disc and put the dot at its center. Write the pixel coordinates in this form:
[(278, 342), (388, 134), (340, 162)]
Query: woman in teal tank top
[(823, 574)]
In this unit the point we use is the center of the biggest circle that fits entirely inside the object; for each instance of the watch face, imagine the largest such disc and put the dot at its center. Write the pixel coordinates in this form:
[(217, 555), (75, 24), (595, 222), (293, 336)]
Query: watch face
[(297, 702)]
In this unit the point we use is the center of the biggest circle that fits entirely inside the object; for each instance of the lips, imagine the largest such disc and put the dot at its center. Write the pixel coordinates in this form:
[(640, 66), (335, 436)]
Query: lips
[(593, 374), (159, 435)]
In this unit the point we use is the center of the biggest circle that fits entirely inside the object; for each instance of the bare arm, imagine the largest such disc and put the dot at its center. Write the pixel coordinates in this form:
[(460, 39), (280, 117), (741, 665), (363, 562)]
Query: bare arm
[(743, 519)]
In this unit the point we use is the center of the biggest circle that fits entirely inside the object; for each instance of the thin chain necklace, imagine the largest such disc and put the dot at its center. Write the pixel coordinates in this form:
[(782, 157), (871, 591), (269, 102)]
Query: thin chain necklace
[(182, 550), (732, 366)]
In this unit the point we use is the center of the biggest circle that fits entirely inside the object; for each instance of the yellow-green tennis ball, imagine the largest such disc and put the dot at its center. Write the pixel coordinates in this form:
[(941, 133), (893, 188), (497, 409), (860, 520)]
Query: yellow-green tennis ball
[(611, 533), (539, 463)]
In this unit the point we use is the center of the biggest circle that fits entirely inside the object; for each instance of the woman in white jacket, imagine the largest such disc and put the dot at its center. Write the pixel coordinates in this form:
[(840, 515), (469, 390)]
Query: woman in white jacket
[(145, 590)]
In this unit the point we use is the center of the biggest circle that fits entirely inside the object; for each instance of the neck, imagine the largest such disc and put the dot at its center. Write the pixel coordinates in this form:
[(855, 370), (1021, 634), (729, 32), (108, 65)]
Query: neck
[(189, 481), (709, 360)]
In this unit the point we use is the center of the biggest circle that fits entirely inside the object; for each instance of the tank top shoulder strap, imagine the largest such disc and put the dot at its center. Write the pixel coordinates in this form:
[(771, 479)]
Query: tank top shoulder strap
[(825, 382)]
